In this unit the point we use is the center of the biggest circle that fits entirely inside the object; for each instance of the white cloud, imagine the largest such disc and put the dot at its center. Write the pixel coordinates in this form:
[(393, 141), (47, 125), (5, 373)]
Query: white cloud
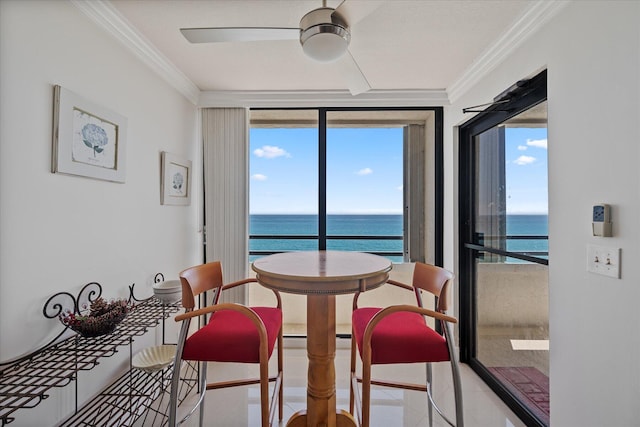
[(399, 188), (540, 143), (524, 160), (259, 177), (365, 171), (522, 147), (270, 152)]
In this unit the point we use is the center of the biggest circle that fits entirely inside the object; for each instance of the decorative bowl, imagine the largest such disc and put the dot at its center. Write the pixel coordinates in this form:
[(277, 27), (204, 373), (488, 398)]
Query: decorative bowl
[(101, 318), (153, 359), (169, 291)]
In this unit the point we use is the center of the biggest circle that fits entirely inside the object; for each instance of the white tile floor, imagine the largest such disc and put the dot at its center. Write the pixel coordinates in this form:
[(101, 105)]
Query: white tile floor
[(390, 407)]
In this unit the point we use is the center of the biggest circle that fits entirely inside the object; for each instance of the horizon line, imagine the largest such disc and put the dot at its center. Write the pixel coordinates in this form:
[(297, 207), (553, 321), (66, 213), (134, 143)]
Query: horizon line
[(371, 213)]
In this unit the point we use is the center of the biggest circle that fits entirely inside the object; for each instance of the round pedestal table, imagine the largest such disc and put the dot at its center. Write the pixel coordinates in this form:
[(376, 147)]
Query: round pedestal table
[(321, 275)]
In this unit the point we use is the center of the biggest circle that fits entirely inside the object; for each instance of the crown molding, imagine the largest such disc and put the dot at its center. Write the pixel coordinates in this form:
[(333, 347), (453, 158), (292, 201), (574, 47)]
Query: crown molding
[(106, 16), (323, 98), (534, 18)]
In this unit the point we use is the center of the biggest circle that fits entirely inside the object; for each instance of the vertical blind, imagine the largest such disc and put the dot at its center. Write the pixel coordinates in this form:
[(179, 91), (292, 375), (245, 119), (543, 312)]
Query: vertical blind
[(225, 133)]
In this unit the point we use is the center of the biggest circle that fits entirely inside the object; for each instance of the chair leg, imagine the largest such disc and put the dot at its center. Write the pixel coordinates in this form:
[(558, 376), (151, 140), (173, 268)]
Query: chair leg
[(353, 372), (175, 375), (173, 398), (457, 392), (455, 373), (203, 390), (366, 393), (264, 392), (429, 392), (281, 373)]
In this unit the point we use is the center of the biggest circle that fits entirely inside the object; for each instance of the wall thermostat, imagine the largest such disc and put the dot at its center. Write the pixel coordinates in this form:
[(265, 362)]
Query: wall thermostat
[(601, 220)]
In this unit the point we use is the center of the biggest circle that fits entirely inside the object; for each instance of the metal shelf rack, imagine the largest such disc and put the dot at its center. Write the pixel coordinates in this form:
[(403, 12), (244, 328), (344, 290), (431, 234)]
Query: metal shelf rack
[(136, 395)]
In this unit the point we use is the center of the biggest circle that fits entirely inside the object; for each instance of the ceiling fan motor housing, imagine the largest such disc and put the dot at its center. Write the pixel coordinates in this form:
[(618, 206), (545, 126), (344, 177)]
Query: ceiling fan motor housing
[(324, 35)]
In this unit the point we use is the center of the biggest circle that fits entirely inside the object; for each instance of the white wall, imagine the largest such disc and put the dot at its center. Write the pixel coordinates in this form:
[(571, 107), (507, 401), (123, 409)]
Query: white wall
[(592, 53), (59, 232)]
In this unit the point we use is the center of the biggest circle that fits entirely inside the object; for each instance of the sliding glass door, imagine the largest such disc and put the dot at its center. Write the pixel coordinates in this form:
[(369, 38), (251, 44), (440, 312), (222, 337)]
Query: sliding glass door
[(504, 250)]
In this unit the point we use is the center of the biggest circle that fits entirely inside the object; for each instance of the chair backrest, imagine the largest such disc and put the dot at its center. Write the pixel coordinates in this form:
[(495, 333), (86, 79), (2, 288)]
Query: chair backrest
[(199, 279), (435, 280)]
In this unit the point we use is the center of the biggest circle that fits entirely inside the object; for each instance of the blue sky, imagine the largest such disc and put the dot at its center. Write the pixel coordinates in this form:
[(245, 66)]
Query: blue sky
[(364, 171), (526, 170)]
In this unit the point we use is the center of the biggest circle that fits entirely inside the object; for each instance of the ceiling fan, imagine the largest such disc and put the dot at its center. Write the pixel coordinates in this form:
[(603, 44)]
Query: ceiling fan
[(324, 34)]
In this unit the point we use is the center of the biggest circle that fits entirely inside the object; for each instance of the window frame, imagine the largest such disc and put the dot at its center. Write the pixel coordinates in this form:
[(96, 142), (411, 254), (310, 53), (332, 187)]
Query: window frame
[(438, 172)]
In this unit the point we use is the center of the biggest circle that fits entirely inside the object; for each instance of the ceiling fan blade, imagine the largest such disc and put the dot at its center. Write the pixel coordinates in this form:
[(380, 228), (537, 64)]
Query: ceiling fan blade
[(353, 12), (355, 78), (239, 34)]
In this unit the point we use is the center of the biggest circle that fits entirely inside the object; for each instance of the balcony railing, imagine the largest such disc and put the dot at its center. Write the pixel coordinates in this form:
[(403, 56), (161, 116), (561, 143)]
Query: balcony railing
[(525, 255), (280, 237)]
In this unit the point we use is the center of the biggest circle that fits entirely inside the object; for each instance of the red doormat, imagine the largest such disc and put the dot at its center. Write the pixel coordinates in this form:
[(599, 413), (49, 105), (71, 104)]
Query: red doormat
[(528, 385)]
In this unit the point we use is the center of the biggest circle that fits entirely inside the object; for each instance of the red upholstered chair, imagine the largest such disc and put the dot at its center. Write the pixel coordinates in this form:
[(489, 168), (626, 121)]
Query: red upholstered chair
[(233, 333), (400, 334)]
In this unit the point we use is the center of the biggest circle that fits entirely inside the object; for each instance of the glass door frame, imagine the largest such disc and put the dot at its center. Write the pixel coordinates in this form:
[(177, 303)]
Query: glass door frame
[(523, 97)]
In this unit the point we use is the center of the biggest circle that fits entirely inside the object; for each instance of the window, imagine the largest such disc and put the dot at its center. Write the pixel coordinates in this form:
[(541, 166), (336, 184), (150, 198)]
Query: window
[(283, 196), (337, 180), (371, 180)]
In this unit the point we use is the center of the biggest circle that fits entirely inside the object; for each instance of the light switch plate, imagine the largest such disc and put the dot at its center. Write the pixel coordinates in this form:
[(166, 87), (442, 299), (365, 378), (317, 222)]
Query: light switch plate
[(603, 260)]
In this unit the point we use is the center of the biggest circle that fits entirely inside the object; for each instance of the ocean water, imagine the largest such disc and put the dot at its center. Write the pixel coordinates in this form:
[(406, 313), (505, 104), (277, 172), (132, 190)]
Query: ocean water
[(337, 225), (528, 225), (371, 225)]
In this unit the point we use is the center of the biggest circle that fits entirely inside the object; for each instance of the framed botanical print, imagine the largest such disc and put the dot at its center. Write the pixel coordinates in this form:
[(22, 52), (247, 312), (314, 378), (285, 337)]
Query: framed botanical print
[(88, 140), (175, 186)]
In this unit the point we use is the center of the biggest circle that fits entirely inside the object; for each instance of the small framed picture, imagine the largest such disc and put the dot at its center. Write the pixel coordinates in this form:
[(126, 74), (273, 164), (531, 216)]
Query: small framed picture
[(175, 186), (88, 140)]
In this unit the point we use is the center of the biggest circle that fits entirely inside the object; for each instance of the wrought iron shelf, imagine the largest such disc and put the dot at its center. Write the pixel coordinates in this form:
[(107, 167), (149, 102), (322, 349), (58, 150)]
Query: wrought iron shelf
[(27, 381), (127, 400)]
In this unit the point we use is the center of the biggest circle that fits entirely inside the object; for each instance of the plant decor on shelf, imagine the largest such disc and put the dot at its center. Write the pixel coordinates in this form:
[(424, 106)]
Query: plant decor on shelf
[(102, 318)]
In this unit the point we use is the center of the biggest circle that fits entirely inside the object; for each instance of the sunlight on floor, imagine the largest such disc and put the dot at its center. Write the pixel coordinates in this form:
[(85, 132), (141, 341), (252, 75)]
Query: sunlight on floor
[(530, 345)]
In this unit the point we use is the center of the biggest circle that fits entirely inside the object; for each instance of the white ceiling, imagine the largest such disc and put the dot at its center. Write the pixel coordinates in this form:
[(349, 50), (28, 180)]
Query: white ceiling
[(402, 45)]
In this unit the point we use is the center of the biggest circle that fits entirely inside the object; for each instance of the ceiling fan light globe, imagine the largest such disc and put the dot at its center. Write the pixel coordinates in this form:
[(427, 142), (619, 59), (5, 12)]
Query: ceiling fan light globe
[(326, 42)]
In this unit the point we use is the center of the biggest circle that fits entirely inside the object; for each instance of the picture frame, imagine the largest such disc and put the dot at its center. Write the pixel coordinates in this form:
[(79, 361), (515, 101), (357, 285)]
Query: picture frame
[(88, 140), (175, 186)]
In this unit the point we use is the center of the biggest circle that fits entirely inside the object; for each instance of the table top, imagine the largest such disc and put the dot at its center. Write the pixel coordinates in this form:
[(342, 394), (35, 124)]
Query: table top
[(322, 272)]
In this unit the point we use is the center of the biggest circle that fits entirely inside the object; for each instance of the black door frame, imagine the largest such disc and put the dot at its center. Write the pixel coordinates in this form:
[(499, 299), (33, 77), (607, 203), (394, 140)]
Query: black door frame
[(521, 96)]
